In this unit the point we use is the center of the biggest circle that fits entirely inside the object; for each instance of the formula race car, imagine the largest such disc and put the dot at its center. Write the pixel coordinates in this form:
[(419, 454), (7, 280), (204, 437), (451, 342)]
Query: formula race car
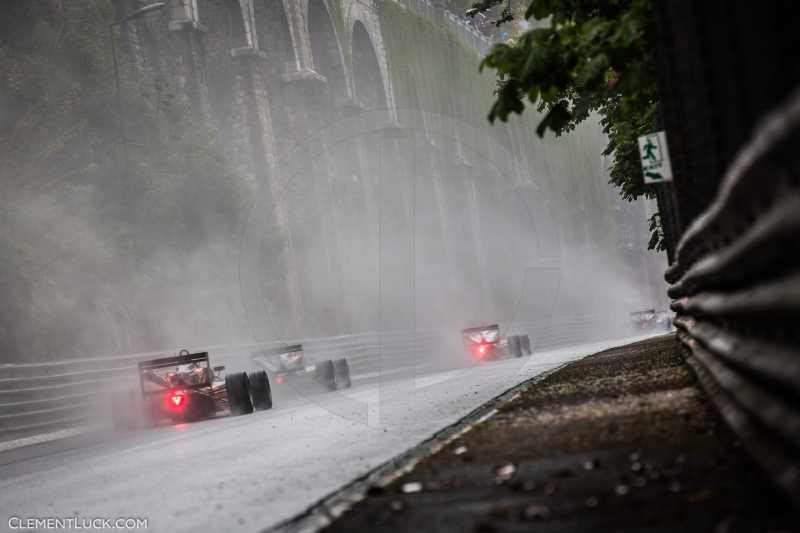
[(288, 365), (650, 319), (186, 388), (485, 343)]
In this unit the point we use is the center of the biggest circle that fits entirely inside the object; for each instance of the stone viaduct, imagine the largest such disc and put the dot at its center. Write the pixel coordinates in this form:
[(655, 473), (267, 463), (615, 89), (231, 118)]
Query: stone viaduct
[(426, 210)]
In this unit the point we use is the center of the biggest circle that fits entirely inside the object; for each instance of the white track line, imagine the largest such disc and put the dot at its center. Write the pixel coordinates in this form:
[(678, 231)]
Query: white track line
[(46, 437)]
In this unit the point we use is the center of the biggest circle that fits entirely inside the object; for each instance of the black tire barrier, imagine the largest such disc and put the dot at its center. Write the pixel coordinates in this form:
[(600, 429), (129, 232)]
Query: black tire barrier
[(735, 285)]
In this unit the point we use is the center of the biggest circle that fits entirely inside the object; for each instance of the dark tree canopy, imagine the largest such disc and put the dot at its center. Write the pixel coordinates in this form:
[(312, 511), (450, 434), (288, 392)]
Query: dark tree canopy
[(583, 57)]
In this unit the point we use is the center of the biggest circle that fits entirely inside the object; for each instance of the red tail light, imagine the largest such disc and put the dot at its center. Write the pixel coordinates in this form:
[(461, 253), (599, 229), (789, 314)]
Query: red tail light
[(481, 350), (176, 399), (279, 379)]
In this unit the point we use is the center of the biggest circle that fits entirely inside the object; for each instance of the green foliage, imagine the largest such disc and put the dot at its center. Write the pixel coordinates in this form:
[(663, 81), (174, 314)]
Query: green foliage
[(584, 57), (61, 81), (83, 234)]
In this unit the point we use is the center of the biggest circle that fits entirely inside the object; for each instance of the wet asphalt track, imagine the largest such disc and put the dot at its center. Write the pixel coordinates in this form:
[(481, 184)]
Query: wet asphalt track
[(249, 472)]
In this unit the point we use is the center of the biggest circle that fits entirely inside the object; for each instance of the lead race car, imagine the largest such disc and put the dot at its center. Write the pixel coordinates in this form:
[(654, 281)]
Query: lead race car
[(288, 365), (651, 319), (186, 388), (486, 343)]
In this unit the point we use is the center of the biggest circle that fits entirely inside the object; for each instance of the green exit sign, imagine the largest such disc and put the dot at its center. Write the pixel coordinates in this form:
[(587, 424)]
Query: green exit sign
[(654, 154)]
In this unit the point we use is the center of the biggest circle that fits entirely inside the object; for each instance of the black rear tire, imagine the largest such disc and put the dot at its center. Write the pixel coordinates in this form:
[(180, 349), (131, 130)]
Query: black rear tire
[(526, 344), (514, 346), (342, 373), (260, 390), (238, 387), (326, 374)]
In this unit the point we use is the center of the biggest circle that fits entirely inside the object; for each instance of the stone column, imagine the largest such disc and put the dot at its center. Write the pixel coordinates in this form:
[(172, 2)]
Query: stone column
[(352, 194), (466, 285), (254, 147), (307, 201), (434, 250), (188, 64)]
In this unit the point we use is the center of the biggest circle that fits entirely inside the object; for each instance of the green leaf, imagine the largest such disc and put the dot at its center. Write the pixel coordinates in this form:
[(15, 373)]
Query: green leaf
[(593, 71), (593, 57), (556, 119), (539, 9)]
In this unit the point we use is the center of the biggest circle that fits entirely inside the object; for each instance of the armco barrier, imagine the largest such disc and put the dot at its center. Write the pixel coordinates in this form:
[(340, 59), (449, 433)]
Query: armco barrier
[(455, 23), (49, 396), (736, 290)]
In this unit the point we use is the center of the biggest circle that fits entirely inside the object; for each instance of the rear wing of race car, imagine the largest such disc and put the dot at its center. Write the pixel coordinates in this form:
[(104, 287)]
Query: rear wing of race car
[(269, 357), (286, 348), (173, 361), (479, 329), (481, 334), (146, 367)]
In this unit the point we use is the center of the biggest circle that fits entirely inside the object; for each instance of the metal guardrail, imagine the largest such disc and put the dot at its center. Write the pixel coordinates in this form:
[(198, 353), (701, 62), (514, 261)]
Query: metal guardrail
[(48, 396), (460, 27), (34, 396), (735, 286)]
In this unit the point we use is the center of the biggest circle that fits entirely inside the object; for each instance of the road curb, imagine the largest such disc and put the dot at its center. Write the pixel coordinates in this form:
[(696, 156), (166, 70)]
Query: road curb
[(330, 507)]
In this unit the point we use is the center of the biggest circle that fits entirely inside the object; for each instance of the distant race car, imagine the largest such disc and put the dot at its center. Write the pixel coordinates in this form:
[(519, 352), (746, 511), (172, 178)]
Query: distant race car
[(650, 319), (186, 388), (288, 365), (485, 343)]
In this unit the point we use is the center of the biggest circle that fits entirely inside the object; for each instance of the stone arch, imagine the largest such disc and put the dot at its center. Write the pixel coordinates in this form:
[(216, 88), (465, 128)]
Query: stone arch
[(326, 51), (364, 15), (275, 35), (370, 91), (227, 24)]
